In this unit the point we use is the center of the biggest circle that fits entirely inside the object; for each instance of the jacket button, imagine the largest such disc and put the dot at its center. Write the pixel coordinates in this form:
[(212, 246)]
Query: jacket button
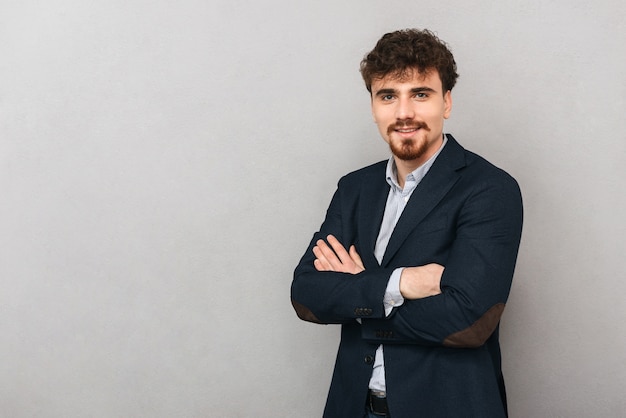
[(369, 359)]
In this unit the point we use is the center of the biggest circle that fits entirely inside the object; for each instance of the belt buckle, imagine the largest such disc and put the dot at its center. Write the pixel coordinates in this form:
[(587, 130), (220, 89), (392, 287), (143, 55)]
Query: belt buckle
[(379, 395)]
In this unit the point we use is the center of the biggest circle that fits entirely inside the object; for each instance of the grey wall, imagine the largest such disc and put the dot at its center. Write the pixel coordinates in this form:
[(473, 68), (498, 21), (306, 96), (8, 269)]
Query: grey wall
[(163, 165)]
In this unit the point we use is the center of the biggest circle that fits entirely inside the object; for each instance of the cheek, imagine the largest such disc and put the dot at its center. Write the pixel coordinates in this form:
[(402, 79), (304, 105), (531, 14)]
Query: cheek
[(381, 122), (435, 117), (382, 128)]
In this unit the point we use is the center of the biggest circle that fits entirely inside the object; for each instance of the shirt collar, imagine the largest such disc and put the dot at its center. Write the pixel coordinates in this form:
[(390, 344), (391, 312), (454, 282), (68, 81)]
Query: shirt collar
[(415, 176)]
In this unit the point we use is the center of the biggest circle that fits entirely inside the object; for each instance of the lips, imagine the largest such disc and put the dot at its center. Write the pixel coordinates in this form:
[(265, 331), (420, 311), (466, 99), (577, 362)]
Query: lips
[(407, 128), (406, 133)]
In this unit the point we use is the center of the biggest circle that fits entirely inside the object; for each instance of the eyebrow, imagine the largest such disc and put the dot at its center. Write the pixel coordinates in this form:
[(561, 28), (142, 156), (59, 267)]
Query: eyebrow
[(423, 90), (414, 90), (384, 92)]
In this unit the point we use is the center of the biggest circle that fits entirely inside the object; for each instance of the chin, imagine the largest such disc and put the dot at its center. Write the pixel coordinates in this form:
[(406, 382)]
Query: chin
[(408, 152)]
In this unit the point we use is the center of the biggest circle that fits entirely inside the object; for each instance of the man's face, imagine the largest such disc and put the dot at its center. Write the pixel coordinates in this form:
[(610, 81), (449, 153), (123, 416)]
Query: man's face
[(409, 112)]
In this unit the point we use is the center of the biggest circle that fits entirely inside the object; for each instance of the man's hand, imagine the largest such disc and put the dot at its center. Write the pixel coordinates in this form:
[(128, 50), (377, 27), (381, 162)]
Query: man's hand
[(336, 258), (420, 282)]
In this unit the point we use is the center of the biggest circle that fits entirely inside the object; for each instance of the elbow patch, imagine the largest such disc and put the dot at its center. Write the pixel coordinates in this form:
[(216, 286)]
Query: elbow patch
[(476, 334), (304, 313)]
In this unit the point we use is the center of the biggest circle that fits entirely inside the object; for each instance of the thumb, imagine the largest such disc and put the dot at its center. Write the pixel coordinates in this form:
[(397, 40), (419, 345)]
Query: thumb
[(356, 257)]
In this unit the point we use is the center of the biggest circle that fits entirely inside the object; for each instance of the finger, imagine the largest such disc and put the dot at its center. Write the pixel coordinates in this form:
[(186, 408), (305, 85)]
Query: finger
[(320, 263), (356, 257), (329, 255), (319, 266), (340, 250)]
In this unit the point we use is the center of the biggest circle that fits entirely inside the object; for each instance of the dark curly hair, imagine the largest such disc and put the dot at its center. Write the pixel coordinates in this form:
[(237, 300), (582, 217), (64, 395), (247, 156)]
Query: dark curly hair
[(400, 52)]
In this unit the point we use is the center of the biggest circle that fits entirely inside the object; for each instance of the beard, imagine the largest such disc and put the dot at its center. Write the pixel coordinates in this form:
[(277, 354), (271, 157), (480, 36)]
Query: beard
[(409, 149)]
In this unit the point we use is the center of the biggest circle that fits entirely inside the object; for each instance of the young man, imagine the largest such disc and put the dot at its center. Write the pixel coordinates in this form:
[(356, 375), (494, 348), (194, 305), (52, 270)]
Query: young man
[(416, 255)]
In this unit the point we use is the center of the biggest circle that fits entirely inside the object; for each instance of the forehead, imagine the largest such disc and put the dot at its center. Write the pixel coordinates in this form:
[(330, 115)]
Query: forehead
[(410, 77)]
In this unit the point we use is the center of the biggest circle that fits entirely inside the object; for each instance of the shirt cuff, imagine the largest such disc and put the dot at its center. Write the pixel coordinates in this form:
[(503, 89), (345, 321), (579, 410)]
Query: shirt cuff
[(393, 298)]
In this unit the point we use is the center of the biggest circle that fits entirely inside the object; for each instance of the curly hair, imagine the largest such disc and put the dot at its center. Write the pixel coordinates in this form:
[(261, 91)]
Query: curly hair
[(400, 52)]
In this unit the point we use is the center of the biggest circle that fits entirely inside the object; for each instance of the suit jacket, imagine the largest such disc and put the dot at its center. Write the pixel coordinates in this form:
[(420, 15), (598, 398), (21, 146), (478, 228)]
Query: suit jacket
[(442, 355)]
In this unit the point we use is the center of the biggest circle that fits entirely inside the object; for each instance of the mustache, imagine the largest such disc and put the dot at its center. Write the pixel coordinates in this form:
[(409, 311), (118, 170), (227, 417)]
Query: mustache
[(409, 124)]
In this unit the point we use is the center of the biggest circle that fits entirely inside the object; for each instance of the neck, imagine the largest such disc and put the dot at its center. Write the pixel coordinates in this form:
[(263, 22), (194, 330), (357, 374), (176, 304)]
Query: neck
[(405, 167)]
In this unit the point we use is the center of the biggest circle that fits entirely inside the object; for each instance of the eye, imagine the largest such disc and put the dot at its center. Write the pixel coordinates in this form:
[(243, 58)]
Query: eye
[(387, 97), (421, 95)]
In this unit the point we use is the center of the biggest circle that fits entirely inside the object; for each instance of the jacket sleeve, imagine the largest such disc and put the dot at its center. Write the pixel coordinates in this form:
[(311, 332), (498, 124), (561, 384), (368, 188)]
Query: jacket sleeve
[(476, 281), (331, 297)]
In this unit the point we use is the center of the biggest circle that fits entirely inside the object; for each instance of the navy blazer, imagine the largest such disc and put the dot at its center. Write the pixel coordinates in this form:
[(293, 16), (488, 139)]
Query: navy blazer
[(442, 355)]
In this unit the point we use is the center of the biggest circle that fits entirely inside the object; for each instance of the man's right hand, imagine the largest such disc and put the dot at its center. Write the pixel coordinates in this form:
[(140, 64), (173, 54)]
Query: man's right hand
[(336, 258), (420, 282)]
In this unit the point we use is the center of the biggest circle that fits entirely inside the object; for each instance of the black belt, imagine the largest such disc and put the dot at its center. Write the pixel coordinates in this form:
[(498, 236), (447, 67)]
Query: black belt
[(377, 403)]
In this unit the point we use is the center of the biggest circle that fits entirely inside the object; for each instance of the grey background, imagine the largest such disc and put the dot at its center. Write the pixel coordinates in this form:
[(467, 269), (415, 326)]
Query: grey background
[(163, 166)]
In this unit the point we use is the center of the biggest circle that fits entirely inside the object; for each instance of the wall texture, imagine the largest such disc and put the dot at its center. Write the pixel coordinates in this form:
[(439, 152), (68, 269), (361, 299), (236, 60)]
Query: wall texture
[(164, 164)]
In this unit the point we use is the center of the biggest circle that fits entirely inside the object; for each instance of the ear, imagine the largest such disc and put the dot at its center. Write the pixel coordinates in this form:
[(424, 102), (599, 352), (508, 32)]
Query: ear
[(447, 104)]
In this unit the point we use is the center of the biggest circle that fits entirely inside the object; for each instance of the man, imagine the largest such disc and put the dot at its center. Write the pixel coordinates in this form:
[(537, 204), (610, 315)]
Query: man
[(416, 255)]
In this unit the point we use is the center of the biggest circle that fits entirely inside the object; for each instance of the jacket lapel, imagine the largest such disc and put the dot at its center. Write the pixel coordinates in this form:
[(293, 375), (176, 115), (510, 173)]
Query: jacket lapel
[(433, 187), (373, 198)]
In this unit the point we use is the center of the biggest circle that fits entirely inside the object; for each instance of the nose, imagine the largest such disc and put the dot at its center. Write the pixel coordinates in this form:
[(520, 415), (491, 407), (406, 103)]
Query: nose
[(405, 109)]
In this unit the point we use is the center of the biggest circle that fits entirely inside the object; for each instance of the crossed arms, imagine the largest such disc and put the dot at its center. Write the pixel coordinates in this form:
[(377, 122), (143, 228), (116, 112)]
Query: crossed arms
[(415, 282), (475, 234)]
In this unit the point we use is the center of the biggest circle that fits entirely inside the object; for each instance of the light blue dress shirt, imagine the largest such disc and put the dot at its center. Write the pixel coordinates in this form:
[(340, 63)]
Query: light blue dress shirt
[(396, 202)]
